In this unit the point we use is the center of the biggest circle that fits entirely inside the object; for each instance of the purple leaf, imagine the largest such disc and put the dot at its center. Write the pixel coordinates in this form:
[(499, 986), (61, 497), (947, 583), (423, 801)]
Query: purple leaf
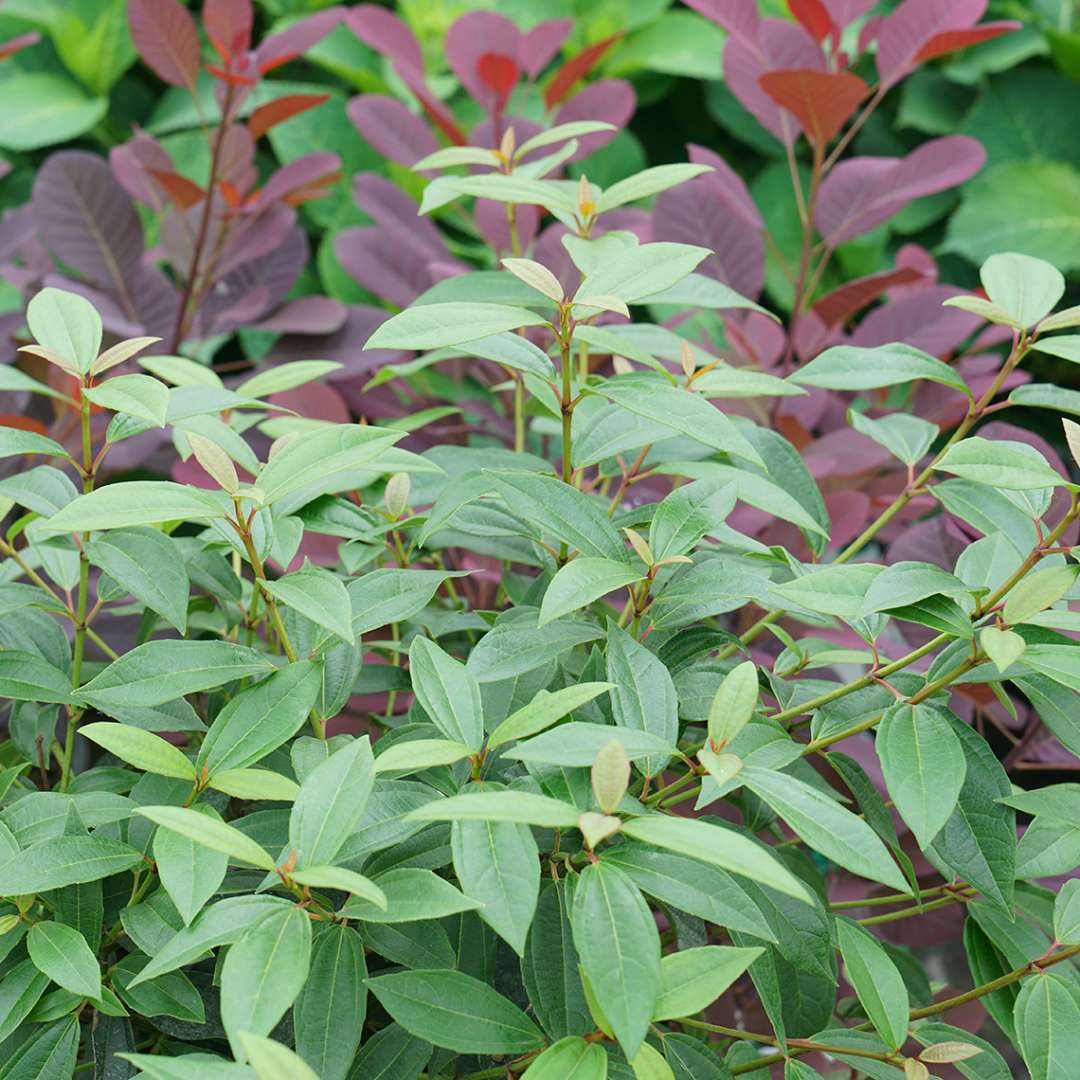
[(228, 26), (130, 164), (254, 237), (397, 273), (165, 35), (903, 33), (87, 220), (610, 100), (920, 320), (736, 193), (280, 48), (396, 212), (391, 129), (495, 229), (306, 315), (780, 46), (237, 165), (710, 211), (539, 46), (346, 345), (861, 193), (298, 174), (738, 17), (384, 32), (482, 49)]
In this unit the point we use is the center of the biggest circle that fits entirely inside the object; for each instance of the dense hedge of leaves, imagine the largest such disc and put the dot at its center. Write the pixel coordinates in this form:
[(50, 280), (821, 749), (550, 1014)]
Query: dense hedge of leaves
[(453, 626)]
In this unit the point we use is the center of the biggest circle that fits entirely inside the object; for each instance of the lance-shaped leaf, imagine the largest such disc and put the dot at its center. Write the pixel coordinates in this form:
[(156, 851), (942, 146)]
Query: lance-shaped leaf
[(16, 441), (61, 953), (67, 325), (63, 861), (136, 395), (582, 581), (160, 671), (143, 749), (876, 980), (692, 979), (190, 872), (544, 710), (456, 1011), (847, 367), (517, 806), (318, 595), (210, 832), (136, 502), (26, 677), (448, 693), (436, 326)]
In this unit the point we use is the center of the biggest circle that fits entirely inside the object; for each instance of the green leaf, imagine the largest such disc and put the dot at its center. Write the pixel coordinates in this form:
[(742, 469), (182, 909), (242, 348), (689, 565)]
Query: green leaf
[(137, 395), (1067, 913), (906, 437), (1027, 289), (544, 710), (514, 647), (415, 755), (825, 825), (62, 953), (978, 843), (448, 692), (877, 983), (263, 973), (435, 326), (65, 323), (571, 1058), (1036, 592), (999, 463), (282, 377), (391, 1054), (63, 861), (15, 442), (619, 945), (653, 397), (1057, 662), (498, 865), (143, 749), (734, 704), (20, 990), (387, 596), (26, 677), (1028, 206), (692, 979), (722, 847), (149, 565), (46, 1052), (1004, 647), (261, 718), (559, 512), (210, 833), (839, 589), (160, 671), (1065, 347), (135, 502), (337, 877), (511, 351), (272, 1061), (682, 882), (190, 872), (1047, 1019), (924, 766), (411, 895), (987, 1064), (582, 581), (456, 1011), (644, 699), (576, 744), (642, 271), (687, 514), (512, 806), (318, 595), (849, 367), (322, 461), (328, 1016), (43, 108), (649, 182), (331, 802)]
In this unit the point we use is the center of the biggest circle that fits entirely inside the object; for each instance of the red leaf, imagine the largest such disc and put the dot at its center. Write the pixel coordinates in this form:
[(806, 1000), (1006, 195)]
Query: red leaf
[(166, 38), (274, 112), (315, 189), (821, 101), (180, 189), (233, 78), (23, 423), (228, 26), (855, 295), (13, 45), (437, 114), (814, 17), (575, 69), (950, 40), (499, 73)]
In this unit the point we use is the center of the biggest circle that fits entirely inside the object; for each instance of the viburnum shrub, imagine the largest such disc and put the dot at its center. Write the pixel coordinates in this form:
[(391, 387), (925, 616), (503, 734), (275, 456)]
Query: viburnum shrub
[(584, 822)]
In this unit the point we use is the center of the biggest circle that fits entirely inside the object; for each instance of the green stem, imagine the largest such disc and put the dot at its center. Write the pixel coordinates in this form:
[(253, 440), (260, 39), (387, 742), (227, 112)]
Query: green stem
[(567, 407)]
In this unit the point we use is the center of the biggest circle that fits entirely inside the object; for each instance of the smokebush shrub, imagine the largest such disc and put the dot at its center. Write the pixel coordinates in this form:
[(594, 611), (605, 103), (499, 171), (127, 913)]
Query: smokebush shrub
[(639, 683)]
